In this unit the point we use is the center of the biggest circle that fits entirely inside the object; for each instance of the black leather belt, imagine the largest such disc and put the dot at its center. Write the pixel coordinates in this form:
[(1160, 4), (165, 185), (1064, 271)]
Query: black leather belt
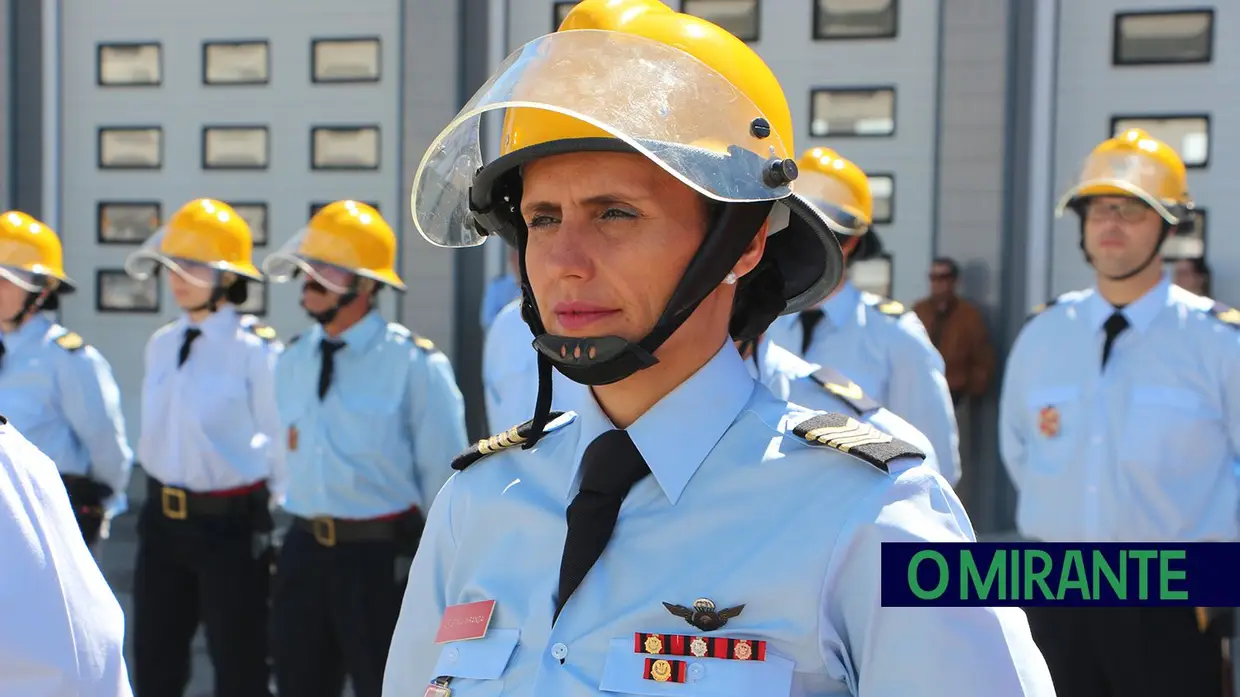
[(178, 504), (328, 531)]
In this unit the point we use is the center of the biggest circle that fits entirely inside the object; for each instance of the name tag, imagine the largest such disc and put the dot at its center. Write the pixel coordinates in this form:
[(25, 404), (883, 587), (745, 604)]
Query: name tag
[(463, 622)]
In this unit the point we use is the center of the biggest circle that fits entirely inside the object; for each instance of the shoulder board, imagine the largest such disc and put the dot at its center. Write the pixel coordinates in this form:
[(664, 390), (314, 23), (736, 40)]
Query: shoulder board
[(1039, 309), (70, 341), (893, 308), (1226, 314), (424, 343), (262, 331), (862, 441), (501, 441), (850, 392)]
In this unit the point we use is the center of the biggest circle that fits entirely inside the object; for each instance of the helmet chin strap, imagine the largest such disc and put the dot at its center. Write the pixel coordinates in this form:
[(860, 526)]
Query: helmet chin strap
[(325, 317), (1162, 237), (31, 305), (609, 359)]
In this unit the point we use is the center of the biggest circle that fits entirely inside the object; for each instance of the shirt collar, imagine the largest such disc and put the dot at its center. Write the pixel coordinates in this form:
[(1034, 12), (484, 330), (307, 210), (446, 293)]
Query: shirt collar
[(356, 337), (33, 330), (841, 308), (680, 430), (1140, 313), (222, 321)]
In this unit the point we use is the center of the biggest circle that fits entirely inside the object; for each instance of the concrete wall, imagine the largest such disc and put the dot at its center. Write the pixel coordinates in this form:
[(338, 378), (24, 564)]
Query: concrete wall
[(971, 194), (6, 104)]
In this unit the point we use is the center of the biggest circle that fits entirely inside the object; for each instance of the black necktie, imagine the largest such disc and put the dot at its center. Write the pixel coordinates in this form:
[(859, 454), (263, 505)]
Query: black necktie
[(190, 334), (2, 349), (327, 352), (809, 320), (610, 467), (1114, 326)]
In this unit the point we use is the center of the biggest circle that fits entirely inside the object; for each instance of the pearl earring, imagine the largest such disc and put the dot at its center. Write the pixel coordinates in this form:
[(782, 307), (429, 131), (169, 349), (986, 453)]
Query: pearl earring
[(730, 279)]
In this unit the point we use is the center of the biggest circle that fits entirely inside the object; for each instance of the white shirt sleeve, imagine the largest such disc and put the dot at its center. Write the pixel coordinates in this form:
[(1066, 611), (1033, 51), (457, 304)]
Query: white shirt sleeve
[(61, 628)]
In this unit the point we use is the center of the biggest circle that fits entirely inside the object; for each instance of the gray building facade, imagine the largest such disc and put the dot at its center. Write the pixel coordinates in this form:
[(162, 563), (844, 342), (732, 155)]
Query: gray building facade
[(970, 115)]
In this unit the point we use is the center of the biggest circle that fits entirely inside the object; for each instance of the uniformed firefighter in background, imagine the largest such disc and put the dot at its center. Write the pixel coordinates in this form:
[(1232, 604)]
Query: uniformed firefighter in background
[(1120, 422), (371, 417), (56, 389), (877, 342), (209, 445)]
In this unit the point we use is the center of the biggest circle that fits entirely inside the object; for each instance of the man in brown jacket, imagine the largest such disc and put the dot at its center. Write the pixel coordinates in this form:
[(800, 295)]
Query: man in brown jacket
[(958, 331)]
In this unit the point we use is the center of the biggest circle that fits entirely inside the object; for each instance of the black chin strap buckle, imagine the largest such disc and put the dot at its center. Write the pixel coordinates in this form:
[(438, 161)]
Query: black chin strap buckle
[(594, 360)]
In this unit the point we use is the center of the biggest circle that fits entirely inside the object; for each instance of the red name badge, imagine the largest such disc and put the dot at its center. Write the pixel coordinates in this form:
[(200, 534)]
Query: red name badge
[(462, 622)]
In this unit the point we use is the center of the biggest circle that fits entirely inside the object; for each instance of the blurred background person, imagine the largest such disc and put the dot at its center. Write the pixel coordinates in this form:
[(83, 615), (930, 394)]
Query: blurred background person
[(958, 330), (502, 290), (1193, 275)]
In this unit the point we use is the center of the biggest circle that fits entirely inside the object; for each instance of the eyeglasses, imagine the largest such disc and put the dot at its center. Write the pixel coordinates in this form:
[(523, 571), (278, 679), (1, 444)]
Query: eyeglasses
[(1129, 210)]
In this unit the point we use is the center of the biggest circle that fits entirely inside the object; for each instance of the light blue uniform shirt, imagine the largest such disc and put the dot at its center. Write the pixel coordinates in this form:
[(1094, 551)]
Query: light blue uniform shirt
[(1145, 451), (212, 424), (738, 510), (890, 356), (384, 437), (499, 292), (788, 377), (62, 632), (67, 403)]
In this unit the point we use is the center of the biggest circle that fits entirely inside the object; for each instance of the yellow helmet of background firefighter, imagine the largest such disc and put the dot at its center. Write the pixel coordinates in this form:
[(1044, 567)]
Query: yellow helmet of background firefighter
[(839, 188), (27, 244), (353, 236), (1134, 164), (651, 19), (210, 232)]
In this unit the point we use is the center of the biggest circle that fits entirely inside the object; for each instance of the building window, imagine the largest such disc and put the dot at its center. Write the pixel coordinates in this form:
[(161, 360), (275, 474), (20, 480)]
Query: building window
[(129, 65), (1152, 38), (883, 189), (559, 11), (1190, 244), (856, 19), (853, 111), (1189, 134), (737, 16)]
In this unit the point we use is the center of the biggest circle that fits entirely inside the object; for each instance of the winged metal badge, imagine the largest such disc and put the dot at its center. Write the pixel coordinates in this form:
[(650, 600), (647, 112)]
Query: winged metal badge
[(703, 614)]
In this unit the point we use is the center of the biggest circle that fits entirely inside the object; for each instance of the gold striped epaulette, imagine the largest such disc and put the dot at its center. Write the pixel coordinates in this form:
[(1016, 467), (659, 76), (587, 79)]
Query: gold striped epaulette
[(848, 391), (862, 441), (1226, 314), (423, 343), (500, 441), (262, 331), (70, 341), (892, 308)]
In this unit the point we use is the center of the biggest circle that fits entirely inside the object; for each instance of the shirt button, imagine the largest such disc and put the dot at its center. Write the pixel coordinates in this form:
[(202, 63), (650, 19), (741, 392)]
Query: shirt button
[(696, 671), (452, 655), (560, 651)]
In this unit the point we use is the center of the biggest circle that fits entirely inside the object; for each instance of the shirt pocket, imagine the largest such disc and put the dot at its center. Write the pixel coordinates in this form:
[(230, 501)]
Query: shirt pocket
[(476, 666), (1172, 429), (224, 403), (370, 418), (718, 677), (1057, 418)]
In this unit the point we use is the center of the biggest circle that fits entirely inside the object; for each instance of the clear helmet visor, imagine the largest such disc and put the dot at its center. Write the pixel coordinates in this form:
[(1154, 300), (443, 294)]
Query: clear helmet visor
[(664, 103), (834, 200), (146, 260), (27, 281), (286, 262), (1127, 174)]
